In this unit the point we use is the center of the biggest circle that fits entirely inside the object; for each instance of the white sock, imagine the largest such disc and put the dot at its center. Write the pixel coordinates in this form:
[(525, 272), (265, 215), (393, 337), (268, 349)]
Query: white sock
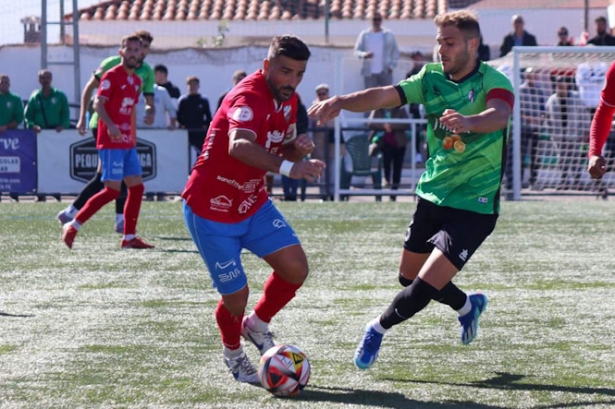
[(232, 353), (129, 237), (119, 217), (75, 224), (467, 307), (256, 323), (375, 323), (71, 211)]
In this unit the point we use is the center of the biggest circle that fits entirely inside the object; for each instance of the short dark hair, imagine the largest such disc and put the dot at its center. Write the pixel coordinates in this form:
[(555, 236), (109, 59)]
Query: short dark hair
[(144, 35), (129, 38), (600, 19), (161, 68), (464, 20), (289, 46), (191, 79)]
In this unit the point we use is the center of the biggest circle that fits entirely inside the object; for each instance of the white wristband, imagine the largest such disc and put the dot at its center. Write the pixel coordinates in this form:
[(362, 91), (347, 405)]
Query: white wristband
[(285, 168)]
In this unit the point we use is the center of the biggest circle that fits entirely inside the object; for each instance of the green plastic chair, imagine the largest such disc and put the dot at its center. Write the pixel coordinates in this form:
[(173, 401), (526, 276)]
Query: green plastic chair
[(357, 147)]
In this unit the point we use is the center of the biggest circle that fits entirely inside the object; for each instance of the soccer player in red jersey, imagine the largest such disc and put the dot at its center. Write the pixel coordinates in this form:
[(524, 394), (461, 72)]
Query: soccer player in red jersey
[(115, 103), (601, 125), (226, 206)]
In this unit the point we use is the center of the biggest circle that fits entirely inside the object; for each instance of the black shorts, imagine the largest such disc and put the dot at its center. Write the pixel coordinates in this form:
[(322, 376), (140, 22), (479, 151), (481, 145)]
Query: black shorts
[(456, 233)]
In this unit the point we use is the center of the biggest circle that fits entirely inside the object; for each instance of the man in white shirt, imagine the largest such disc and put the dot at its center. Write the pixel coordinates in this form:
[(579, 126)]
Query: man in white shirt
[(378, 49), (166, 114)]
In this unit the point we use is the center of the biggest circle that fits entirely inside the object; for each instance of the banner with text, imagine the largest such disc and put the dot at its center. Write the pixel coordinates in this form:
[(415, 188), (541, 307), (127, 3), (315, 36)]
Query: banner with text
[(68, 160), (18, 161)]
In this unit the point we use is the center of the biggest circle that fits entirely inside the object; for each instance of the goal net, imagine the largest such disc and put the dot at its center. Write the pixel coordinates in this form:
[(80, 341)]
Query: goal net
[(557, 90)]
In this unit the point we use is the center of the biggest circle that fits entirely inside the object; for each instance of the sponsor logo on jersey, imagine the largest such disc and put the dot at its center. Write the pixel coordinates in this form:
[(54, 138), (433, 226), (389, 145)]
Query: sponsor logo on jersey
[(243, 114), (275, 137), (483, 200), (247, 187), (106, 84), (247, 204), (471, 95), (221, 201), (287, 111), (126, 108)]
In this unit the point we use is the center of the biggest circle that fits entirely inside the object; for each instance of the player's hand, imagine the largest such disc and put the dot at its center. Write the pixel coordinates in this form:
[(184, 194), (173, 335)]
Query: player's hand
[(307, 169), (324, 111), (81, 126), (36, 128), (368, 54), (304, 144), (114, 133), (454, 121), (59, 129), (596, 166), (3, 128)]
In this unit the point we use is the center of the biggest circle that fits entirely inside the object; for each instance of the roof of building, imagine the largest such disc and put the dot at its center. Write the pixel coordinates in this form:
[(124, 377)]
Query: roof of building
[(178, 10), (540, 4)]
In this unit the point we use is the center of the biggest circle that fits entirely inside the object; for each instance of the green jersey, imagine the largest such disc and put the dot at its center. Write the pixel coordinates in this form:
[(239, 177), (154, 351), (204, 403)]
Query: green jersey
[(145, 72), (11, 109), (463, 171), (48, 112)]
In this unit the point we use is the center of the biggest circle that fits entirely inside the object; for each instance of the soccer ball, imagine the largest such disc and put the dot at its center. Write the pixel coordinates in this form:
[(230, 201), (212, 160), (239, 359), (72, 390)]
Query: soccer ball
[(284, 370)]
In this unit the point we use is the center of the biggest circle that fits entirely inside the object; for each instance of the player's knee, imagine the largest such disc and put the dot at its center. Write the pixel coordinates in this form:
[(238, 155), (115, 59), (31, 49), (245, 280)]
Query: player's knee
[(112, 193), (236, 303), (296, 272), (137, 189)]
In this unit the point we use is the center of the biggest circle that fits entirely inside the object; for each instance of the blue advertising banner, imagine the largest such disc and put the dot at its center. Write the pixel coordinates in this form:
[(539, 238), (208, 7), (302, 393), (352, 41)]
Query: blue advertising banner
[(18, 161)]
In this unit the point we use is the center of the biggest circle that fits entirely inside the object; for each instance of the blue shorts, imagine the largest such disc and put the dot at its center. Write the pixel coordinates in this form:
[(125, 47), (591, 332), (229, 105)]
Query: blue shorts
[(220, 244), (116, 164)]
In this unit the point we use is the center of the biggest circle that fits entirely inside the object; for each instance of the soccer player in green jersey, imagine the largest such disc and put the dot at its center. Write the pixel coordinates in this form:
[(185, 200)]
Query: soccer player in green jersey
[(11, 107), (146, 73), (468, 106)]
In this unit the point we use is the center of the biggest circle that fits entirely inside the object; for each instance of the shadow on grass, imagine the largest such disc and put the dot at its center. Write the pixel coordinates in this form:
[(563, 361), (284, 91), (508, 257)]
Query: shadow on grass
[(507, 381), (315, 393), (177, 251), (6, 314)]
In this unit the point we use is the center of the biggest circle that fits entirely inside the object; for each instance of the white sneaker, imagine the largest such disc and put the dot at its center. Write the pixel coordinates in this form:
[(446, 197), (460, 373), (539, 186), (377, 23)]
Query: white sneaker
[(242, 369), (262, 340), (64, 218)]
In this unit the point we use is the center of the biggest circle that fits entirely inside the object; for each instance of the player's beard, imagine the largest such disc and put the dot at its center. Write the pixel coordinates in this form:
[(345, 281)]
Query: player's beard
[(132, 62), (282, 97), (459, 63)]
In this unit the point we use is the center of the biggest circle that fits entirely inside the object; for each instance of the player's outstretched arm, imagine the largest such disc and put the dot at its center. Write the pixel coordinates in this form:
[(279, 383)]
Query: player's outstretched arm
[(360, 101)]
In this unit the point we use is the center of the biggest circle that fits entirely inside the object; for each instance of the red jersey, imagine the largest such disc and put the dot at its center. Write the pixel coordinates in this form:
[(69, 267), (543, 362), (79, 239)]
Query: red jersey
[(222, 188), (121, 91)]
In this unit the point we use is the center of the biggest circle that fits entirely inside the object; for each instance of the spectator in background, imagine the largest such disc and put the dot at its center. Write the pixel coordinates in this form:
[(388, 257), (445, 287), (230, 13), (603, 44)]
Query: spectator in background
[(193, 114), (416, 111), (518, 37), (323, 137), (161, 73), (603, 35), (391, 138), (47, 108), (11, 107), (11, 110), (589, 78), (484, 52), (290, 185), (568, 124), (166, 115), (237, 76), (532, 100), (377, 47), (562, 37)]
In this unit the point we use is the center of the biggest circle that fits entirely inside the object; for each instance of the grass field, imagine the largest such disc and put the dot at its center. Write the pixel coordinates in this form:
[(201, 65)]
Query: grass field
[(98, 327)]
